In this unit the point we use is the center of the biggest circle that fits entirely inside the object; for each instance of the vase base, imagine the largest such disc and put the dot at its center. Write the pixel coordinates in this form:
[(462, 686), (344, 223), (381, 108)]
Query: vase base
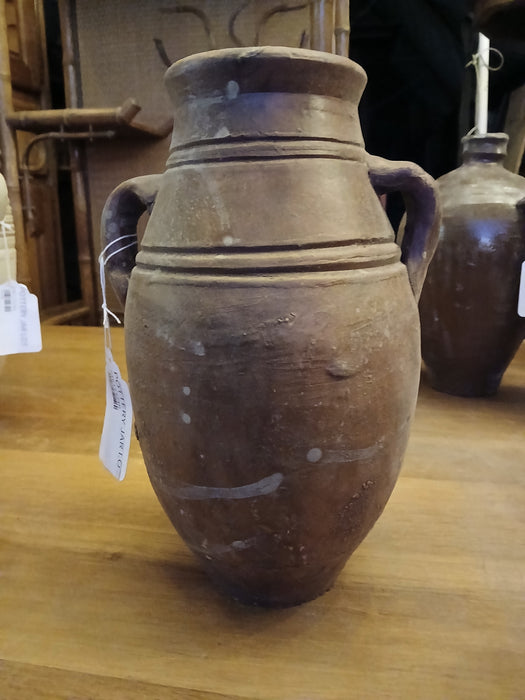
[(461, 384), (269, 588)]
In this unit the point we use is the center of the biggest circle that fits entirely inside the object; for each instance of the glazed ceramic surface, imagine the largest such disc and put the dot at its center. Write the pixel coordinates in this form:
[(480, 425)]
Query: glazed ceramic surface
[(272, 331), (469, 306)]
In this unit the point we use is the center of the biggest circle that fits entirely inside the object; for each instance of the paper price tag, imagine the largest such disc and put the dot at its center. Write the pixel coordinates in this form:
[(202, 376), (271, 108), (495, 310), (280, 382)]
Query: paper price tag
[(116, 432), (118, 418), (521, 294), (19, 320)]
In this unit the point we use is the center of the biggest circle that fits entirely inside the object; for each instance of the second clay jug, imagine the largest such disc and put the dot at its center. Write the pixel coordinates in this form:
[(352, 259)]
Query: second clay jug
[(471, 328), (272, 330)]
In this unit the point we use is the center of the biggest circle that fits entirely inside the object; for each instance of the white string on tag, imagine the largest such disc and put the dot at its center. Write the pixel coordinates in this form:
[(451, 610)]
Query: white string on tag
[(102, 262), (118, 417)]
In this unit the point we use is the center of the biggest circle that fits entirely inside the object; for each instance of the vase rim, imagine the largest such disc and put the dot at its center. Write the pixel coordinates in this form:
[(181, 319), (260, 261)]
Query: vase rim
[(268, 69), (496, 137), (243, 52), (491, 146)]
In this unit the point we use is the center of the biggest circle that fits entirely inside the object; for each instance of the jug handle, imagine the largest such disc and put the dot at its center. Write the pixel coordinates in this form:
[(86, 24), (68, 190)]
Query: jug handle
[(122, 210), (423, 212)]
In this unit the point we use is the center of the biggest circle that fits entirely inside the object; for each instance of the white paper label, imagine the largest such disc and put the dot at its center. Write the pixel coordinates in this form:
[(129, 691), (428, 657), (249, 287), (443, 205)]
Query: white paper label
[(116, 433), (521, 295), (19, 320)]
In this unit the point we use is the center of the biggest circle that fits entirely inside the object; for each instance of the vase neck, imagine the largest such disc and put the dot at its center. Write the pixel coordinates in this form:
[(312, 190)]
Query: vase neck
[(485, 148), (233, 96)]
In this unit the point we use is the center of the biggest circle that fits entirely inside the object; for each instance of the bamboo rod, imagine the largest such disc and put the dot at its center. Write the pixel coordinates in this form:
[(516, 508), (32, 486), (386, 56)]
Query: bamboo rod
[(85, 243), (322, 25), (40, 121), (9, 153), (83, 223), (69, 65), (342, 27), (515, 128), (54, 233)]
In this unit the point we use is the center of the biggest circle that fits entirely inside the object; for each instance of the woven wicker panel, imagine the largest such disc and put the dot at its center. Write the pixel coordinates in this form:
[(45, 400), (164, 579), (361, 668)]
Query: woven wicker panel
[(118, 43)]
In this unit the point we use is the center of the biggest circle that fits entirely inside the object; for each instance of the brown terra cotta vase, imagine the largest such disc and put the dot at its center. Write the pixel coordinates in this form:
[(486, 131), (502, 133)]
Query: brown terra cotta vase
[(272, 332), (470, 325)]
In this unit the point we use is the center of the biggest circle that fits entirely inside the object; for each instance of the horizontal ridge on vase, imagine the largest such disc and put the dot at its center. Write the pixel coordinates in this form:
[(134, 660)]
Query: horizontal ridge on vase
[(272, 332)]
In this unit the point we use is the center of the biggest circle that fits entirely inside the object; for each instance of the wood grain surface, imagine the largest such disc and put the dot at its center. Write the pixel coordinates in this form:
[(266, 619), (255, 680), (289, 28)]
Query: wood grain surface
[(100, 600)]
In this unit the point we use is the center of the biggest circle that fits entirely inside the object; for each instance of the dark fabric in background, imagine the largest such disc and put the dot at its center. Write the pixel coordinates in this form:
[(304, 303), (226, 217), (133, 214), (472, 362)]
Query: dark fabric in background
[(419, 100)]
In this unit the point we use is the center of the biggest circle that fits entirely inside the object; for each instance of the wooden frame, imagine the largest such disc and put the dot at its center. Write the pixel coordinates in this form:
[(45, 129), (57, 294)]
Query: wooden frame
[(9, 151)]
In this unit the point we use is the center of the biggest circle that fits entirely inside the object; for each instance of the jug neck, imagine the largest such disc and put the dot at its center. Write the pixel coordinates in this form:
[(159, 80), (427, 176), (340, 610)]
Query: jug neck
[(233, 96), (485, 148)]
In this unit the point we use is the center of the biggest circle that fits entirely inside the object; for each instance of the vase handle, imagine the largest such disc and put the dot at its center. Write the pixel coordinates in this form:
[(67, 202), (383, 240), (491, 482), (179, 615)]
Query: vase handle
[(122, 210), (423, 212)]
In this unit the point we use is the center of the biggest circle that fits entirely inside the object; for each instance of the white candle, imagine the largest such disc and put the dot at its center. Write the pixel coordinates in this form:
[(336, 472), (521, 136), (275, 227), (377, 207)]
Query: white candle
[(482, 87)]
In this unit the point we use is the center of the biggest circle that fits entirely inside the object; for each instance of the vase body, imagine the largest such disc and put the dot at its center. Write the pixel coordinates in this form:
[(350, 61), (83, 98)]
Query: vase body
[(272, 334), (469, 305)]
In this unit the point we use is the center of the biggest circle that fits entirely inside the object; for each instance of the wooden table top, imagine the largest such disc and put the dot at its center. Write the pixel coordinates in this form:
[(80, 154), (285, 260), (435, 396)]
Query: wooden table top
[(100, 600)]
